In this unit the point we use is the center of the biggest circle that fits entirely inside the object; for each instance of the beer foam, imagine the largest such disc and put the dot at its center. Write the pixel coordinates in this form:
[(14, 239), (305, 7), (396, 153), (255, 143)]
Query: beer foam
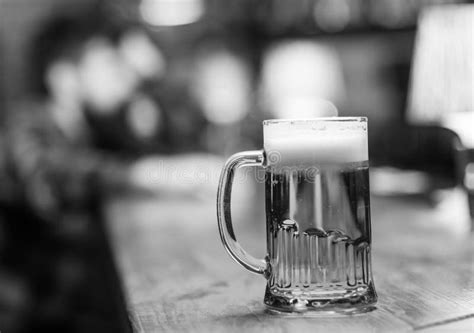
[(315, 142)]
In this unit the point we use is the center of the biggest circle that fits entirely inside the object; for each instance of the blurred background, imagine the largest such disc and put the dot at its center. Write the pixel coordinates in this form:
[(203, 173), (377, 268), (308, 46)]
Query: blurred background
[(100, 97)]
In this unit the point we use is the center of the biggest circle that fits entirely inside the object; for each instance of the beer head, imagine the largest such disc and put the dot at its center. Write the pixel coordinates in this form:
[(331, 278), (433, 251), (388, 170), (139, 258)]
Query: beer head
[(315, 141)]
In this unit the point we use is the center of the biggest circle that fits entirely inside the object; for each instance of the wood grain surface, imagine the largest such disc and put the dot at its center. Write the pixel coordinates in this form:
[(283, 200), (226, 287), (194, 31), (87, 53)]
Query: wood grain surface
[(178, 277)]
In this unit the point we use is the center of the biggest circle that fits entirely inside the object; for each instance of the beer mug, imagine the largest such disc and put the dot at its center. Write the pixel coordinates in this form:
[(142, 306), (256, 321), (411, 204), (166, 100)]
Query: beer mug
[(317, 215)]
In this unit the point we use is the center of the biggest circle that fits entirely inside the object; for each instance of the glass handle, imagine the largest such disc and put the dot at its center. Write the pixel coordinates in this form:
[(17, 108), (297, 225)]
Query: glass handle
[(226, 231)]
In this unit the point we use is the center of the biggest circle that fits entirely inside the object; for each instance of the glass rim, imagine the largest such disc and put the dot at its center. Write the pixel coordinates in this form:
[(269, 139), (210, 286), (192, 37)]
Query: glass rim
[(267, 122)]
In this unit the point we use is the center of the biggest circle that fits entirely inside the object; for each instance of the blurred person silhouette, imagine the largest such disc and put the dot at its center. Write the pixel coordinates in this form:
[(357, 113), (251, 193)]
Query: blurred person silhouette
[(99, 126), (102, 120)]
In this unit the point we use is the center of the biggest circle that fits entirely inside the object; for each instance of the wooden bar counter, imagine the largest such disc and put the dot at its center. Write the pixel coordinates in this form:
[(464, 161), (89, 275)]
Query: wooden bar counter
[(177, 276)]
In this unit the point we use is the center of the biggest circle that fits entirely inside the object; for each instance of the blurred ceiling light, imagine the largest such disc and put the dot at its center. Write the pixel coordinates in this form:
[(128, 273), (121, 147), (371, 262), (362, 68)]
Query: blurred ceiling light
[(171, 12), (106, 79), (301, 79), (63, 82), (222, 87), (143, 117), (140, 53), (332, 15)]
